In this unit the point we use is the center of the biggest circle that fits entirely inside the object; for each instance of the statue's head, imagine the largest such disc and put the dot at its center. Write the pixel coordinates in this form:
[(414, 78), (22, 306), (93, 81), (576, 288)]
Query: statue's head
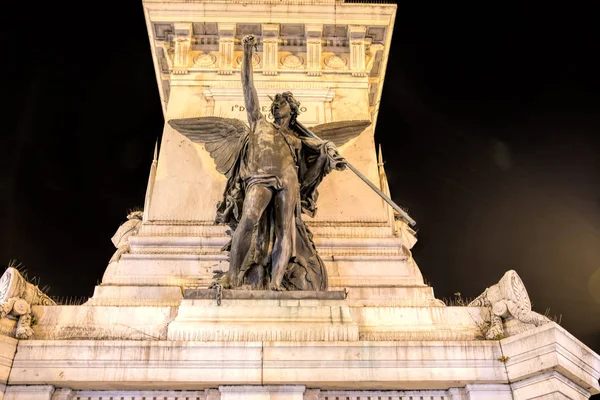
[(281, 103)]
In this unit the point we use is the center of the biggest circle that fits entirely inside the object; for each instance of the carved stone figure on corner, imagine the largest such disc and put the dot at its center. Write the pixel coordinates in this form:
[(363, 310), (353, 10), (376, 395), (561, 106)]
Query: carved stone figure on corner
[(507, 299), (16, 298), (273, 171), (121, 238)]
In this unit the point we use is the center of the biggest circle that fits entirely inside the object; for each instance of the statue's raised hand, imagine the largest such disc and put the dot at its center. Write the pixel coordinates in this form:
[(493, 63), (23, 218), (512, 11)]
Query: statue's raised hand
[(249, 41)]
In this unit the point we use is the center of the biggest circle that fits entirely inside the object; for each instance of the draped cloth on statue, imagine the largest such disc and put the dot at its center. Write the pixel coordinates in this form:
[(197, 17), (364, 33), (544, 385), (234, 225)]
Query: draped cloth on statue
[(305, 270)]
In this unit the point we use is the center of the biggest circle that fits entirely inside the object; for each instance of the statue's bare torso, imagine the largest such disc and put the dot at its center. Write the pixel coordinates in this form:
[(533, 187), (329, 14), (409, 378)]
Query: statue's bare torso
[(270, 151)]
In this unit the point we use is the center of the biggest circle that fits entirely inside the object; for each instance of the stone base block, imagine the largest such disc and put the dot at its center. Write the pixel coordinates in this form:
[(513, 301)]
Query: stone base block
[(102, 322), (419, 323), (263, 320), (262, 392), (35, 392), (157, 296), (197, 270)]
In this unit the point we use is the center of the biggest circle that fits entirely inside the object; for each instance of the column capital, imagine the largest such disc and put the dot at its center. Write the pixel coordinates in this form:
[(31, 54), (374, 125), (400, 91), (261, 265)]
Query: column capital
[(357, 32), (226, 29), (270, 31), (313, 31)]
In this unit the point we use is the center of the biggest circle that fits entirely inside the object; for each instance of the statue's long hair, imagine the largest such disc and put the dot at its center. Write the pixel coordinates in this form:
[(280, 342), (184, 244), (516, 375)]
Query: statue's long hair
[(294, 104)]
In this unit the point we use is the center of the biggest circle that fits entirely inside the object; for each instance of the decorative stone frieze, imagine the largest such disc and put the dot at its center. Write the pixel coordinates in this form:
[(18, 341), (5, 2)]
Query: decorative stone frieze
[(335, 62), (205, 60), (292, 61)]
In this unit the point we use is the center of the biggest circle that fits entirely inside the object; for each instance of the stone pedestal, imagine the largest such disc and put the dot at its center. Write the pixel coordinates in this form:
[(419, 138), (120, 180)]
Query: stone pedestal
[(274, 317)]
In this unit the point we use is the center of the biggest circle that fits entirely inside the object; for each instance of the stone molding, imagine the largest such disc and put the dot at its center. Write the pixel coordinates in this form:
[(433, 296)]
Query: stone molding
[(550, 347), (303, 95), (549, 385), (533, 359)]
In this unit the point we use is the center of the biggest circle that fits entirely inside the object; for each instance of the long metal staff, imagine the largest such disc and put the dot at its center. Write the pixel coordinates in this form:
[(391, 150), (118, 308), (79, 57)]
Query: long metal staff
[(366, 180)]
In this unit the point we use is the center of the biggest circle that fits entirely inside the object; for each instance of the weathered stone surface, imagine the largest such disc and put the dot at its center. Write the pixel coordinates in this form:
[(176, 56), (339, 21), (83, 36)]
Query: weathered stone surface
[(8, 347), (263, 320), (210, 294)]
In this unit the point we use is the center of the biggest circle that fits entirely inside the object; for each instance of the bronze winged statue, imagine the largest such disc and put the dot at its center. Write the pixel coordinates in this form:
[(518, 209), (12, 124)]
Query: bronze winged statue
[(273, 171)]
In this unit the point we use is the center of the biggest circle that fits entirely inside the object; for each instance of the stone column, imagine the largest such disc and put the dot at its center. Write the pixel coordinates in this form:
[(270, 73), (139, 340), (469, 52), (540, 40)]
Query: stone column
[(356, 39), (270, 34), (226, 42), (314, 33), (183, 44)]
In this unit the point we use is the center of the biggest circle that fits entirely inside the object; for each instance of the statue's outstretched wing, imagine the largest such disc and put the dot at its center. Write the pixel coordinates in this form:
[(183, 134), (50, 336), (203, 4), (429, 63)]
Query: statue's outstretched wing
[(341, 131), (222, 137)]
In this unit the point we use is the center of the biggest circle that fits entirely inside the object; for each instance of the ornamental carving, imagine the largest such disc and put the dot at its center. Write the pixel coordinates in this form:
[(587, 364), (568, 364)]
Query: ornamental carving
[(292, 61), (16, 298), (121, 238), (205, 60), (506, 300), (335, 62)]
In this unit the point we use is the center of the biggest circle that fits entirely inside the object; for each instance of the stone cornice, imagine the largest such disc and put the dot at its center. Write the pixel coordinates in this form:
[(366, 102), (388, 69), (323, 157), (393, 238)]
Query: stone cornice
[(550, 347), (353, 365)]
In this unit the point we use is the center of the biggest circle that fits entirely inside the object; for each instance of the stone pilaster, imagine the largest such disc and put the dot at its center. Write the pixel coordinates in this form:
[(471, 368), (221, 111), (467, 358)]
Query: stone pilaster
[(314, 33), (356, 41), (183, 44), (226, 42), (270, 48)]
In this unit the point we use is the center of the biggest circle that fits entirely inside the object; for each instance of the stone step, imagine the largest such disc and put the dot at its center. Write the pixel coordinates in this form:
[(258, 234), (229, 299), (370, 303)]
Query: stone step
[(321, 229), (297, 320), (212, 245), (170, 296)]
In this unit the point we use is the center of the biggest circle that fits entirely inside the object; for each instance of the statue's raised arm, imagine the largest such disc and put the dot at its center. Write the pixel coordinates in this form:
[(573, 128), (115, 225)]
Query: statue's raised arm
[(249, 43)]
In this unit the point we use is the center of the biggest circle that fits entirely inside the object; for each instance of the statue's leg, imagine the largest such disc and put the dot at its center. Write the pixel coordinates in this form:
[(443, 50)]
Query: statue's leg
[(256, 201), (285, 206)]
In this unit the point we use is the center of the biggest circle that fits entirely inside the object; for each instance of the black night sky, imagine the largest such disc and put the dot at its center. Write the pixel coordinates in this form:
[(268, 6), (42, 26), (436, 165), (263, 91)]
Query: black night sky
[(489, 124)]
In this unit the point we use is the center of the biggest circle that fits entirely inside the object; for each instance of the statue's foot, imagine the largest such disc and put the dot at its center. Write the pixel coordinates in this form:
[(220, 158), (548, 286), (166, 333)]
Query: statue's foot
[(275, 287)]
